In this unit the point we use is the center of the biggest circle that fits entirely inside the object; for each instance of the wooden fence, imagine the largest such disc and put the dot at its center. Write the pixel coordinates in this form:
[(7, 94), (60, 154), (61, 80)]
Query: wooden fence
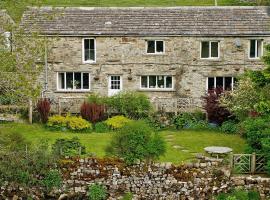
[(248, 163)]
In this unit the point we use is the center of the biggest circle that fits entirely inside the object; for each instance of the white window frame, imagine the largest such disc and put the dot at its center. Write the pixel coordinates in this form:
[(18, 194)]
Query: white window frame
[(65, 80), (155, 53), (156, 88), (110, 82), (83, 51), (256, 49), (215, 82), (210, 49)]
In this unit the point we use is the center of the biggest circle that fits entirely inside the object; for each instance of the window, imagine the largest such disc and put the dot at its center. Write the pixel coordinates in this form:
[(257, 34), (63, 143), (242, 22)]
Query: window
[(73, 81), (227, 83), (115, 83), (156, 82), (155, 47), (89, 50), (209, 49), (256, 48)]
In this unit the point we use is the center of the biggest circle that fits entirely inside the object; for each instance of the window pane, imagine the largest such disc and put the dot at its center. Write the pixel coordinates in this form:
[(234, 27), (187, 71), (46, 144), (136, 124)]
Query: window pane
[(144, 82), (205, 50), (214, 49), (92, 54), (150, 46), (160, 81), (219, 82), (228, 83), (86, 81), (89, 49), (78, 80), (160, 47), (61, 80), (259, 48), (168, 82), (92, 44), (211, 83), (152, 81), (252, 48), (69, 80)]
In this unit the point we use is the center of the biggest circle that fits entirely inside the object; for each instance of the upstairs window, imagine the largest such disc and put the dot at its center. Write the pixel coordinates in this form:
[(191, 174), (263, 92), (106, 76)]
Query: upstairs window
[(89, 50), (256, 49), (155, 47), (156, 82), (226, 83), (73, 81), (209, 49)]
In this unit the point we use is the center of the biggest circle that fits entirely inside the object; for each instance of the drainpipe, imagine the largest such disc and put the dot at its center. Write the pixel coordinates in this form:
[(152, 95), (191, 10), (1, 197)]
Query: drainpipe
[(46, 71)]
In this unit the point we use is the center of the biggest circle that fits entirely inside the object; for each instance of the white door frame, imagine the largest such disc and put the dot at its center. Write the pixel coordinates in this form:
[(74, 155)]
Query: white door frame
[(112, 92)]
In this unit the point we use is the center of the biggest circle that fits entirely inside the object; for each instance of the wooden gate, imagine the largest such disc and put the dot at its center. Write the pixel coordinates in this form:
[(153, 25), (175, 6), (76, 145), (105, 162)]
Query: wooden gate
[(248, 163)]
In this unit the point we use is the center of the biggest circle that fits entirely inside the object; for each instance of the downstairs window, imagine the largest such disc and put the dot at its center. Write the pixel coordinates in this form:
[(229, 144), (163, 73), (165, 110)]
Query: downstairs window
[(73, 81)]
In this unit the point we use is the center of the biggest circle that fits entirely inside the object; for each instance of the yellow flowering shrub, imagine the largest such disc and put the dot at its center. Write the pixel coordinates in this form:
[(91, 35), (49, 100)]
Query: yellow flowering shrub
[(57, 121), (117, 122), (78, 123)]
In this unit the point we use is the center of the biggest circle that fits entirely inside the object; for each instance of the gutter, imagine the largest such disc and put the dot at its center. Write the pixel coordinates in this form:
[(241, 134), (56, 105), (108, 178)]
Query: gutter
[(46, 71)]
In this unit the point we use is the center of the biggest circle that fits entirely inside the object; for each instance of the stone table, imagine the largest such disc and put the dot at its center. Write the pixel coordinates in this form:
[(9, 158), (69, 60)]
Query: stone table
[(217, 150)]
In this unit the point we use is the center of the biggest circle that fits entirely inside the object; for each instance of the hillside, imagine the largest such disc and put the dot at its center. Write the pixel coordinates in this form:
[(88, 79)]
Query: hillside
[(16, 8)]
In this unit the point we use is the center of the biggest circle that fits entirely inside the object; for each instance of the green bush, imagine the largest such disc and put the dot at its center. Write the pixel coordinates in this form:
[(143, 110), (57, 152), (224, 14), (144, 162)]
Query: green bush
[(52, 180), (117, 122), (101, 127), (158, 120), (97, 99), (268, 167), (229, 127), (73, 123), (136, 141), (97, 192), (68, 147), (127, 196), (239, 195)]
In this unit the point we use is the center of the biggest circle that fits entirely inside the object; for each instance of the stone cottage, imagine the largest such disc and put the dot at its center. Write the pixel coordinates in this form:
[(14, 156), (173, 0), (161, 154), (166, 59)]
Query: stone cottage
[(173, 54)]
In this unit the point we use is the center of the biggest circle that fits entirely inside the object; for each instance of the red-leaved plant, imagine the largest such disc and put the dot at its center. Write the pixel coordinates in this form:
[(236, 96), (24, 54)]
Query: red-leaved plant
[(43, 108), (92, 112), (216, 113)]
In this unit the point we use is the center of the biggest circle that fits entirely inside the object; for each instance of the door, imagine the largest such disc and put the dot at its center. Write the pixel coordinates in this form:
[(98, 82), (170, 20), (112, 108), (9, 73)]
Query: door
[(115, 85)]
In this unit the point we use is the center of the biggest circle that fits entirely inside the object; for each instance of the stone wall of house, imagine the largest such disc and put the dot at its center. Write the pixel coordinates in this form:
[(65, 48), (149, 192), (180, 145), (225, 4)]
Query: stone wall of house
[(194, 181), (126, 56)]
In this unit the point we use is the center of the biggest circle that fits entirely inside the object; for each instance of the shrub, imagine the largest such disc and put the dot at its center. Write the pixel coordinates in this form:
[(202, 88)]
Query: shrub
[(101, 127), (127, 196), (97, 192), (216, 113), (97, 99), (92, 112), (57, 122), (268, 167), (135, 142), (73, 123), (78, 124), (52, 180), (229, 127), (239, 194), (43, 108), (158, 120), (117, 122), (135, 105), (68, 147), (182, 120)]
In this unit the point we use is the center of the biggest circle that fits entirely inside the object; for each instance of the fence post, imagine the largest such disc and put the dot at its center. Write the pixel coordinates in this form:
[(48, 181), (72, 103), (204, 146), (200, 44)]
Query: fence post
[(30, 111), (253, 163)]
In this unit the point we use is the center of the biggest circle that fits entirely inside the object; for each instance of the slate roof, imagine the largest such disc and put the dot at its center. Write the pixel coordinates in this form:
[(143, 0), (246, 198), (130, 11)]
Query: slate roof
[(206, 21)]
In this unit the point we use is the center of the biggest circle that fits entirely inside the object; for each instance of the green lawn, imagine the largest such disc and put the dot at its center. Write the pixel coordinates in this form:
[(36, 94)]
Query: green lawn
[(181, 145), (16, 7)]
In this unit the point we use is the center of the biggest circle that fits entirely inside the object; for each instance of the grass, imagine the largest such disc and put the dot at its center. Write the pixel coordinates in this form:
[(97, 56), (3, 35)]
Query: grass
[(16, 8), (190, 141)]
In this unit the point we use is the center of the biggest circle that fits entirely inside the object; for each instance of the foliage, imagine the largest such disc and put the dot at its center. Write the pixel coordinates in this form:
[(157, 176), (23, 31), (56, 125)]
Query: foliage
[(239, 194), (23, 163), (127, 196), (97, 192), (229, 127), (158, 120), (43, 108), (92, 112), (52, 180), (117, 122), (216, 113), (101, 127), (134, 105), (97, 99), (268, 167), (188, 119), (68, 147), (135, 142), (72, 123)]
